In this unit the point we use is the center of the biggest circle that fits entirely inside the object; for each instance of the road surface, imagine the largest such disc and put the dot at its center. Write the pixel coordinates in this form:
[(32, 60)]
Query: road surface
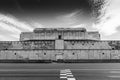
[(55, 71)]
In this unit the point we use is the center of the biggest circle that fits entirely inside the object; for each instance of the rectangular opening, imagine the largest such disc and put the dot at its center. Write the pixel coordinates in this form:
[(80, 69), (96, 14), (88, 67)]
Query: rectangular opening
[(59, 37)]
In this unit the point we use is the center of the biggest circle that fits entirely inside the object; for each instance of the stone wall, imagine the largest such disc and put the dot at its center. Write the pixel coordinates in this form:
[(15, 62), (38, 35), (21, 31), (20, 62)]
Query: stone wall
[(66, 54), (50, 44), (87, 44), (53, 34), (6, 45)]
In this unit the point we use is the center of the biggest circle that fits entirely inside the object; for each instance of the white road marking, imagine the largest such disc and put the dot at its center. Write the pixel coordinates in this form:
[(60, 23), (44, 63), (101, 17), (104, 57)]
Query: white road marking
[(64, 77), (66, 74), (70, 75), (71, 79), (63, 74)]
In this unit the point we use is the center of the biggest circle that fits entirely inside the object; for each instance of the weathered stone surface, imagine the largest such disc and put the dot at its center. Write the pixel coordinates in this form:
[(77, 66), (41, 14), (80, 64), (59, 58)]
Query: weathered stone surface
[(53, 54), (59, 33), (60, 43)]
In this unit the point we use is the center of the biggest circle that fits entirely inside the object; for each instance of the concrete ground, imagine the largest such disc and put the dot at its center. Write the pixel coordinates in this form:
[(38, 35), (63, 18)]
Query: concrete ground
[(60, 71)]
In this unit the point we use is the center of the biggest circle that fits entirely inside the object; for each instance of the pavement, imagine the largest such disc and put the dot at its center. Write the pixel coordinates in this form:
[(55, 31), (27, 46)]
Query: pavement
[(55, 71)]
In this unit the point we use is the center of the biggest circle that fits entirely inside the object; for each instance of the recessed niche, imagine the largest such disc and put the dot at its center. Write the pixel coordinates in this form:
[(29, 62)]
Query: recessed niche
[(44, 53), (73, 53), (82, 44), (15, 53)]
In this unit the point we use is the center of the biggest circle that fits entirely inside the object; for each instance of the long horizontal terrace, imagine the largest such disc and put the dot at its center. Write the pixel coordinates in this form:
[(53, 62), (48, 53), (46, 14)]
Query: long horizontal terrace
[(50, 44)]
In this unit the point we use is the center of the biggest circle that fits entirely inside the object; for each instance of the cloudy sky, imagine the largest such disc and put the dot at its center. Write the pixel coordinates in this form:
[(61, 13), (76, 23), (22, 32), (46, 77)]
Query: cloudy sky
[(17, 16)]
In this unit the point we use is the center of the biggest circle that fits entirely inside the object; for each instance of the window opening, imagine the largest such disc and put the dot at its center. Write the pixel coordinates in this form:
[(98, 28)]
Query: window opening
[(59, 37)]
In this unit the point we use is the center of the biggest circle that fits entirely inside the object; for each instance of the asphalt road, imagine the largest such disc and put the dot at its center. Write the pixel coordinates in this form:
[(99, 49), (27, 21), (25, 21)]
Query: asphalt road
[(81, 71)]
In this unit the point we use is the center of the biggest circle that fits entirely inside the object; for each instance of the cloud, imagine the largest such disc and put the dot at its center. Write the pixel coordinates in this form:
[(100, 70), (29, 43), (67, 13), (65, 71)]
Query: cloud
[(79, 26), (36, 24), (110, 21), (69, 18), (7, 38), (11, 27), (8, 28), (12, 21)]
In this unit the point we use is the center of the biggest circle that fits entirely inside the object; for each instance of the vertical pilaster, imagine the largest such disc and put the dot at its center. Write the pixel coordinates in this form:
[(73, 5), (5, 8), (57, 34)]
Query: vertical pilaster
[(59, 44)]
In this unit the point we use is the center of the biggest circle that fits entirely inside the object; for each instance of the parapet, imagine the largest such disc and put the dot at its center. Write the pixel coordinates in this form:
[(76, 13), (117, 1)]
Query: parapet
[(37, 30)]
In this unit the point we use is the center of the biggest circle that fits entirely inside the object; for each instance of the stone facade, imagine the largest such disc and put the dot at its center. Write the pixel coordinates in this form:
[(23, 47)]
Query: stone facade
[(54, 44), (59, 54), (60, 33)]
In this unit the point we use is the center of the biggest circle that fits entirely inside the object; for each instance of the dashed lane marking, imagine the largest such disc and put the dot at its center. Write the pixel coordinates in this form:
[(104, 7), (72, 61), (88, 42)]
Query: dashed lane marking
[(71, 79), (63, 77), (66, 74), (63, 74), (69, 73)]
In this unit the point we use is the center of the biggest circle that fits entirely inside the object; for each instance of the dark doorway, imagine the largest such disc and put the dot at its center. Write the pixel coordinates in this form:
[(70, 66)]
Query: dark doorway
[(59, 37)]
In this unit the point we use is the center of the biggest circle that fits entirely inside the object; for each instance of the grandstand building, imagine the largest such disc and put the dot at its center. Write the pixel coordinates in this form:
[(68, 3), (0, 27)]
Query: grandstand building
[(59, 43)]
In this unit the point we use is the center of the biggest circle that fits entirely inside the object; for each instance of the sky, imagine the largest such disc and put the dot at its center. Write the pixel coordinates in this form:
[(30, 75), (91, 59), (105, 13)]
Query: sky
[(18, 16)]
